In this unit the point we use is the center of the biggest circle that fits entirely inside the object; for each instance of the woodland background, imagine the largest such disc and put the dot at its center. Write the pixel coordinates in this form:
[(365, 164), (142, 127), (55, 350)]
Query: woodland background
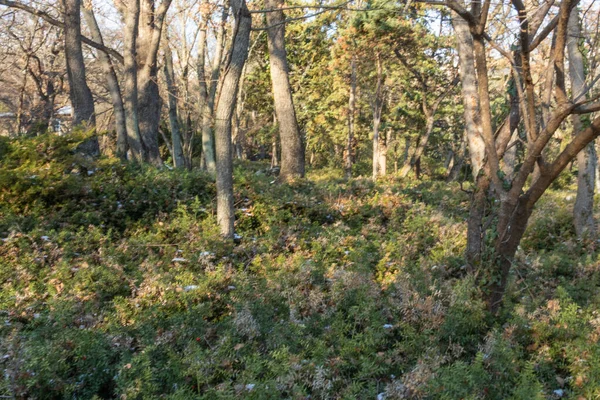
[(360, 199)]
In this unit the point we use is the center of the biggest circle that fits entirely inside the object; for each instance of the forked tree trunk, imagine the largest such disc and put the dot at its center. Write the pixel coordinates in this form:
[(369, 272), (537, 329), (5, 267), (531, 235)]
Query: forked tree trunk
[(130, 92), (178, 156), (292, 151), (225, 108), (418, 152), (583, 210), (208, 140), (112, 82), (149, 103)]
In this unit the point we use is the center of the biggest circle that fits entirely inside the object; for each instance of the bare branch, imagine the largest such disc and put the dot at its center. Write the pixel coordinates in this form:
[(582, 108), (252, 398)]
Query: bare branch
[(53, 21)]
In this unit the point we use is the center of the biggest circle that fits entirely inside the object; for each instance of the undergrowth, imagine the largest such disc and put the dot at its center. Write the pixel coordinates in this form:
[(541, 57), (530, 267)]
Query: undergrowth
[(116, 284)]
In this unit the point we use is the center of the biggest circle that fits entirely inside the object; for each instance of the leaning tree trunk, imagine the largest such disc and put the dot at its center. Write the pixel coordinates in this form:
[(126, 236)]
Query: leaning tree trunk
[(79, 92), (225, 108), (130, 92), (111, 81), (511, 123), (583, 210), (292, 151), (178, 156)]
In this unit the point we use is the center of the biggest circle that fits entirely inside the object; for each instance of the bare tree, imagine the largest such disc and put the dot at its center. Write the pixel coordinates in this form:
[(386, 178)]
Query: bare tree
[(132, 16), (80, 93), (111, 80), (513, 200), (178, 156), (232, 72), (151, 22)]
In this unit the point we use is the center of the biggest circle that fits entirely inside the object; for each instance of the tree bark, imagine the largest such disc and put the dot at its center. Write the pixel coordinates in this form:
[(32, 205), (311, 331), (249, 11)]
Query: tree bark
[(134, 139), (583, 210), (377, 110), (351, 111), (410, 161), (208, 140), (111, 80), (79, 91), (224, 112), (475, 142), (458, 159), (292, 150), (468, 78), (149, 102), (178, 156), (208, 154)]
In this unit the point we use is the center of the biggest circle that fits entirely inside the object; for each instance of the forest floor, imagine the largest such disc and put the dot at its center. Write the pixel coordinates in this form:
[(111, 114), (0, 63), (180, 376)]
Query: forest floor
[(116, 284)]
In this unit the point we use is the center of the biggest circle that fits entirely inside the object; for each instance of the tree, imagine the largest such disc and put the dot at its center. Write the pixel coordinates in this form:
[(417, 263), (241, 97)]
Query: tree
[(151, 20), (583, 210), (80, 93), (232, 72), (131, 11), (178, 156), (292, 149), (111, 80), (494, 233)]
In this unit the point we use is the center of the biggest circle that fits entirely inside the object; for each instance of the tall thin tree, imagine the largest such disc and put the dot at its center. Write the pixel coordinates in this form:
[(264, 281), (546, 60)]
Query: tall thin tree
[(292, 149)]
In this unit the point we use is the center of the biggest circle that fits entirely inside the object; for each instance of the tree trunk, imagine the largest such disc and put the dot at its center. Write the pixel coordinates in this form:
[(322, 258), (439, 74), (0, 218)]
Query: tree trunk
[(468, 78), (377, 109), (79, 92), (178, 156), (218, 58), (224, 112), (208, 154), (351, 112), (21, 106), (111, 81), (476, 145), (458, 159), (239, 136), (149, 102), (292, 151), (130, 92), (583, 210), (383, 150), (410, 161), (208, 140)]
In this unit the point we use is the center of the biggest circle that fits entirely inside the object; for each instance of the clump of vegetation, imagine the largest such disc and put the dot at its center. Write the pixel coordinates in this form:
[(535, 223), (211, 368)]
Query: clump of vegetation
[(116, 284)]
